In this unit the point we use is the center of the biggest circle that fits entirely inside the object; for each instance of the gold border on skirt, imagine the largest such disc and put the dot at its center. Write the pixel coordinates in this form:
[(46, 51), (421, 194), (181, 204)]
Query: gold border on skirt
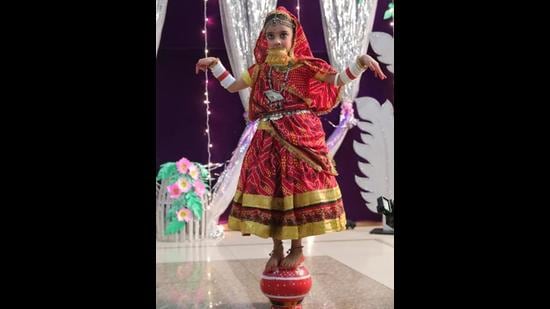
[(288, 232), (288, 202)]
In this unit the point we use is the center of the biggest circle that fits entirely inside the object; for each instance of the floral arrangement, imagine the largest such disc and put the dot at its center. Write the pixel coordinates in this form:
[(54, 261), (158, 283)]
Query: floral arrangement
[(187, 186)]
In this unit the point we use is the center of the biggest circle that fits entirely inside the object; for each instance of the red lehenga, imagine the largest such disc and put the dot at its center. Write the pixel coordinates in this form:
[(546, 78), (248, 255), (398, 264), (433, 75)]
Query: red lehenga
[(287, 187)]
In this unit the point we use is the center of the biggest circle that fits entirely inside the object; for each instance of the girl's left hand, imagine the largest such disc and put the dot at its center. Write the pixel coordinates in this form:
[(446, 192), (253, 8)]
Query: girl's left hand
[(373, 65)]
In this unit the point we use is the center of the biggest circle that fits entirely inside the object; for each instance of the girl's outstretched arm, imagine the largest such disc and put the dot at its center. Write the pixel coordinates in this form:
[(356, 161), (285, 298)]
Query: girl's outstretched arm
[(218, 70), (354, 70)]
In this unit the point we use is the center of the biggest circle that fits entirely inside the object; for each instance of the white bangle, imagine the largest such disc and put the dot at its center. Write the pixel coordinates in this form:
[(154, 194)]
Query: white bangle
[(355, 69), (351, 72), (225, 78), (344, 77), (217, 69), (228, 81)]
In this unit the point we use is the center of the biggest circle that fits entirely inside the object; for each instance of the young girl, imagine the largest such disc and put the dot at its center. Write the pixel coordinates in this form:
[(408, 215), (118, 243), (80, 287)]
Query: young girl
[(287, 187)]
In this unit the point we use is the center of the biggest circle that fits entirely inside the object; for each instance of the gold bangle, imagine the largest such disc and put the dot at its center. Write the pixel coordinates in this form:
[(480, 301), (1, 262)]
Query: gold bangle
[(214, 63), (362, 66)]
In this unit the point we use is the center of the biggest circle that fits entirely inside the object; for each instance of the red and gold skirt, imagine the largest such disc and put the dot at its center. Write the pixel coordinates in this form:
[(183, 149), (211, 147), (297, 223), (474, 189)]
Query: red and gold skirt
[(282, 195)]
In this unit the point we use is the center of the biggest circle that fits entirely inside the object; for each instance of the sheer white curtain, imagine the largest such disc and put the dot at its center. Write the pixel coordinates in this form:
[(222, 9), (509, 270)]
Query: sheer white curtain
[(241, 24), (161, 13), (346, 26)]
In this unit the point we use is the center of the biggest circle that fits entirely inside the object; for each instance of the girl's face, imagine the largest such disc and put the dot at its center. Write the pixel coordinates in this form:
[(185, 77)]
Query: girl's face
[(279, 36)]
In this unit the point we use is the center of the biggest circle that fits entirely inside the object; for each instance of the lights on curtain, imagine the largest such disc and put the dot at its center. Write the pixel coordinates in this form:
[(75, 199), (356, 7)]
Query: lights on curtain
[(206, 99), (298, 10)]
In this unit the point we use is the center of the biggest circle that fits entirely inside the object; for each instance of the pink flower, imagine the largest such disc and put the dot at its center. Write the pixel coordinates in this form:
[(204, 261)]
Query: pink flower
[(183, 165), (174, 190), (199, 188), (184, 214), (194, 171), (184, 185)]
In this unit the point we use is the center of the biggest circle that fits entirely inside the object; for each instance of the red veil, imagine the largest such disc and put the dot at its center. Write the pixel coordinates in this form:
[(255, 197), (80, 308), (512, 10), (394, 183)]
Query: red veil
[(323, 96)]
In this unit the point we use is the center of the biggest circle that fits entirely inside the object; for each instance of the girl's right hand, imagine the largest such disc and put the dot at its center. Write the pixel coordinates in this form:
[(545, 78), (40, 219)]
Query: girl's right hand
[(203, 64)]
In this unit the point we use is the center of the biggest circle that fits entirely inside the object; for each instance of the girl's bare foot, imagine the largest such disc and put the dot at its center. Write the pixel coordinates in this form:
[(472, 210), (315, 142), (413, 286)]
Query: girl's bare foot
[(277, 255), (294, 258)]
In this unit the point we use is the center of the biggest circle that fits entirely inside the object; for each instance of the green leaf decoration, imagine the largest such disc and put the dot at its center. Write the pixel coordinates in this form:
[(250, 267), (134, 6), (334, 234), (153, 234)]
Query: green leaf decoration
[(203, 172), (180, 201), (191, 195), (172, 179), (174, 227), (167, 170), (171, 214), (196, 208)]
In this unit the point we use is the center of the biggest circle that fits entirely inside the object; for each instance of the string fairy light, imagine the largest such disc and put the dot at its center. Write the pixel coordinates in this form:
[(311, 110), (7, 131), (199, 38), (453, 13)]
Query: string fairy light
[(298, 10), (206, 99)]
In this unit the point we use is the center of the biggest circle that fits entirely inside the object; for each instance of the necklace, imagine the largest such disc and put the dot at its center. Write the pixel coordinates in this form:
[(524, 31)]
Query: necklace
[(275, 97)]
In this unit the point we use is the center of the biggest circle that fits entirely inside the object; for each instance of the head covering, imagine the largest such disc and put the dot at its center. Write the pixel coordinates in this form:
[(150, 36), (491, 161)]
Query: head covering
[(324, 96), (300, 46)]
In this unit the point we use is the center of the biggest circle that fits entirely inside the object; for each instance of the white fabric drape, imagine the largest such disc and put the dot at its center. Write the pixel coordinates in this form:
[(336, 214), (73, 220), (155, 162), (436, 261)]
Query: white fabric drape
[(346, 27), (161, 13), (241, 25)]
